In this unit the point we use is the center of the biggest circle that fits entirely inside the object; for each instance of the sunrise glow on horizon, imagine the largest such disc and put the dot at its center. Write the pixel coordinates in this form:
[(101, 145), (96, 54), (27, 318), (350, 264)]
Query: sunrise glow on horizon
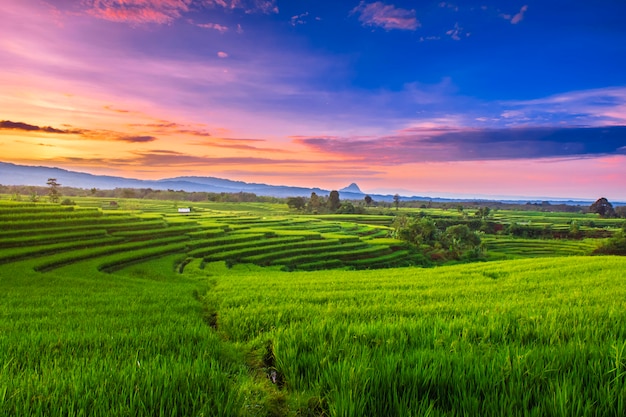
[(480, 98)]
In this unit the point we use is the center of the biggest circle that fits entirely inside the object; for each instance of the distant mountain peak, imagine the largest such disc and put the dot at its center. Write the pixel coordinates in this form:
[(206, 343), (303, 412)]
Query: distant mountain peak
[(352, 188)]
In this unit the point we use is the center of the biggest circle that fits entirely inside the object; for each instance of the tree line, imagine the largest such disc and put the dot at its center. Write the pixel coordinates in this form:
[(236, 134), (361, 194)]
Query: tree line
[(54, 192), (315, 204)]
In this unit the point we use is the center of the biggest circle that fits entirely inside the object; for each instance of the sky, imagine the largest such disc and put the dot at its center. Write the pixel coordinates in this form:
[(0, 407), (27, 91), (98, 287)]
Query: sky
[(447, 99)]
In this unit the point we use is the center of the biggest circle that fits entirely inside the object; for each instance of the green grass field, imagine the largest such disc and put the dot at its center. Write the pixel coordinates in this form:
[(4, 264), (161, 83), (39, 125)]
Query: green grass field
[(530, 337), (134, 313)]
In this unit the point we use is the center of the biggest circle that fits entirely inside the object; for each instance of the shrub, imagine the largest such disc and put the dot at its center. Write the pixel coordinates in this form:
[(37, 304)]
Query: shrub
[(613, 246)]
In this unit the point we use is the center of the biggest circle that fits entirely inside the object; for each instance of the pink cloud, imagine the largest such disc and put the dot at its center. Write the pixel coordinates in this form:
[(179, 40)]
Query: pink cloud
[(215, 26), (519, 16), (456, 32), (166, 11), (222, 54), (161, 158), (171, 128), (516, 18), (250, 6), (386, 16), (139, 11), (299, 19)]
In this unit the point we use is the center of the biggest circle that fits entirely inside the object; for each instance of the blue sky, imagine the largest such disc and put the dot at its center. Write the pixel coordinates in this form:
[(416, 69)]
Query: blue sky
[(474, 98)]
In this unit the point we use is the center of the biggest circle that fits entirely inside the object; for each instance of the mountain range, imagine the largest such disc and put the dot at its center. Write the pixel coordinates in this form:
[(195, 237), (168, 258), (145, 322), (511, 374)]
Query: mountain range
[(13, 174)]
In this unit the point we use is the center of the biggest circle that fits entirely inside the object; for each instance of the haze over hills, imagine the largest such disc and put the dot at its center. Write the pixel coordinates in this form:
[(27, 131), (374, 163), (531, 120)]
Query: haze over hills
[(13, 174)]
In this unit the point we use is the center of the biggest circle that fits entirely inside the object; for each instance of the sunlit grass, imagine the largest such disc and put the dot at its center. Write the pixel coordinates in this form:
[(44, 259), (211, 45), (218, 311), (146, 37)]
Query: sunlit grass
[(170, 332), (531, 337)]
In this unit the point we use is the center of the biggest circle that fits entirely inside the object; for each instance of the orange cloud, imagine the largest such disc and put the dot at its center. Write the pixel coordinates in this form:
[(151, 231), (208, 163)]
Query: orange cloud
[(164, 158), (7, 124), (84, 133), (171, 128)]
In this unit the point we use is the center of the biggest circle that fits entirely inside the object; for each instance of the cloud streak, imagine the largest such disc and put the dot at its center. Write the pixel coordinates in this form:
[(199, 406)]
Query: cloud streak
[(104, 135), (386, 16), (596, 107), (214, 26), (139, 11), (137, 139), (167, 158), (519, 16), (166, 11), (7, 124), (447, 145), (516, 18)]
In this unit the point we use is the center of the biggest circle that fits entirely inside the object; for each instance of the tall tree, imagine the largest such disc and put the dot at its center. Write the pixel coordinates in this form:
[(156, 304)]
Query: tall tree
[(333, 201), (314, 202), (396, 201), (602, 207), (483, 212), (53, 190), (368, 200)]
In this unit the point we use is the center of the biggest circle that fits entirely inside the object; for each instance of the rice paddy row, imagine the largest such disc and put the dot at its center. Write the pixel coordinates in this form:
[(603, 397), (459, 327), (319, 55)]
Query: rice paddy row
[(60, 235), (51, 237), (128, 313), (534, 337), (506, 247)]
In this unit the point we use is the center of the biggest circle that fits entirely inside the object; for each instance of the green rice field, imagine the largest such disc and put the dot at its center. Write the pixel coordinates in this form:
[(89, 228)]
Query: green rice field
[(250, 310)]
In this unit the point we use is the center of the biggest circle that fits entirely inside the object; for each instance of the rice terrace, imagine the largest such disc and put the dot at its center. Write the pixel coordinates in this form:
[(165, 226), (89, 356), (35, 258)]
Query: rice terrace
[(134, 307), (183, 231)]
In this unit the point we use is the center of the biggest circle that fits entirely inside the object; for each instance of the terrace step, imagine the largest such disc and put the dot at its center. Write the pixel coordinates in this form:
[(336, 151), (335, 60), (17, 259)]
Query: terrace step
[(118, 261), (319, 246), (340, 252), (79, 255), (16, 254), (48, 238), (261, 245)]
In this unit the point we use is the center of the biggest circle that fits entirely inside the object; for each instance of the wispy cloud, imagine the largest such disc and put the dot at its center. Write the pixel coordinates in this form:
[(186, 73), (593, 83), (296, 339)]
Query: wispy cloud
[(168, 158), (137, 139), (519, 16), (138, 11), (446, 5), (7, 124), (457, 32), (595, 107), (104, 135), (441, 145), (249, 6), (166, 11), (386, 16), (171, 128), (214, 26), (430, 38), (299, 19), (516, 18), (242, 147)]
